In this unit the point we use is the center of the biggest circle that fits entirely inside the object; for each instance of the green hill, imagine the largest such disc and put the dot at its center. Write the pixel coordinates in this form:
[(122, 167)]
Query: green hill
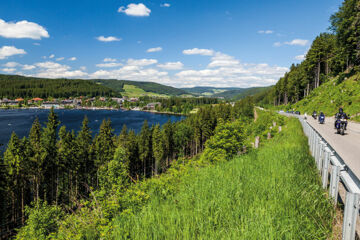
[(241, 93), (227, 93), (149, 87), (13, 86), (332, 95), (208, 91)]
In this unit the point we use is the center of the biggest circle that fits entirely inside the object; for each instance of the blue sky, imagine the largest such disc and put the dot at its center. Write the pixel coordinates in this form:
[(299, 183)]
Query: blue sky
[(182, 43)]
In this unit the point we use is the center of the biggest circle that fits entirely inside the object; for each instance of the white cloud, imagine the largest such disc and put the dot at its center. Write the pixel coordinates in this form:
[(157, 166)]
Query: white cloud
[(141, 62), (300, 57), (22, 29), (36, 44), (8, 70), (60, 59), (72, 59), (11, 64), (109, 64), (108, 39), (165, 5), (171, 65), (51, 56), (298, 42), (7, 51), (28, 67), (265, 31), (109, 60), (83, 68), (156, 49), (295, 42), (197, 51), (56, 70), (227, 71), (222, 60), (136, 10)]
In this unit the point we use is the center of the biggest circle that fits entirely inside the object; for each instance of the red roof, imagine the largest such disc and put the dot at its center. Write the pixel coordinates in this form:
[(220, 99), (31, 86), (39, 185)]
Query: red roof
[(37, 99), (19, 99)]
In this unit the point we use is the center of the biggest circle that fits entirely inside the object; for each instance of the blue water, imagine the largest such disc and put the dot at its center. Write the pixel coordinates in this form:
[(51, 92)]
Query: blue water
[(20, 120)]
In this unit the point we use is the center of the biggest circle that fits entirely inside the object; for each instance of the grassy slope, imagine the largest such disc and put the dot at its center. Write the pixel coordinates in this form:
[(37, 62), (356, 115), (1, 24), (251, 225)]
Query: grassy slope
[(272, 193), (133, 91), (330, 96), (150, 87)]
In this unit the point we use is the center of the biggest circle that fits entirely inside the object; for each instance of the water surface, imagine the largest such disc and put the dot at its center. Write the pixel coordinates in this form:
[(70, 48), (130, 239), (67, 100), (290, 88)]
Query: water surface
[(20, 120)]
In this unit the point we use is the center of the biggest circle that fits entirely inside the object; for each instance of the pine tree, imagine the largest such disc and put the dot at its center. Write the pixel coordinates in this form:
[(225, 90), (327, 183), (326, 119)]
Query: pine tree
[(158, 148), (49, 156), (36, 168), (145, 148), (86, 163)]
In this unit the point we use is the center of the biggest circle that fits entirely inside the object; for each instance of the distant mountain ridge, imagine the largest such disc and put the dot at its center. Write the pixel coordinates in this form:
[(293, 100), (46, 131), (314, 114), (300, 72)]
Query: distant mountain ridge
[(227, 93)]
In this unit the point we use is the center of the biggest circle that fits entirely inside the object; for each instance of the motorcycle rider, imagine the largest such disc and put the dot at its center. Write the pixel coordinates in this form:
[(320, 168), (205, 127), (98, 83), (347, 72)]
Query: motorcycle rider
[(321, 115), (339, 115), (314, 114)]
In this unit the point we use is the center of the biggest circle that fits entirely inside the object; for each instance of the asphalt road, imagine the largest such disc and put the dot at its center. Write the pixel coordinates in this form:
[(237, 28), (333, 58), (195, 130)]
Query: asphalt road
[(347, 146)]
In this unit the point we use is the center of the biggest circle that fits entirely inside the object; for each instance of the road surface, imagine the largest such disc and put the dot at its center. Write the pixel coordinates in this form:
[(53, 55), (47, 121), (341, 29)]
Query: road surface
[(347, 146)]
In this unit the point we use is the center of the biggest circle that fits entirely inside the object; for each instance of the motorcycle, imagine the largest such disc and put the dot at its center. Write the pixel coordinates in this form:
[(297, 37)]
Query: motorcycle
[(341, 125), (322, 119), (314, 115)]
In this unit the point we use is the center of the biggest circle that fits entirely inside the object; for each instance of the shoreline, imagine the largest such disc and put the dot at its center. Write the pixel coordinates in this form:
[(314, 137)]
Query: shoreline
[(92, 109)]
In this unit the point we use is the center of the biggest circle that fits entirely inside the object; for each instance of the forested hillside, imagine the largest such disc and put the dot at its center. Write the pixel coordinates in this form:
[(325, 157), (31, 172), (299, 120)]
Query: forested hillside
[(239, 94), (13, 86), (118, 85), (334, 53), (63, 172)]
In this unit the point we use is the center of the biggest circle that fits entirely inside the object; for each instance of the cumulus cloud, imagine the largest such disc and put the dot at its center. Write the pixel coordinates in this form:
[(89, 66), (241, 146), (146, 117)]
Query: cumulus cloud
[(108, 39), (109, 60), (11, 64), (109, 64), (227, 71), (171, 65), (156, 49), (141, 62), (51, 56), (60, 59), (8, 70), (295, 42), (300, 57), (197, 51), (56, 70), (136, 10), (222, 60), (28, 67), (165, 5), (265, 31), (22, 29), (298, 42), (72, 59), (8, 51)]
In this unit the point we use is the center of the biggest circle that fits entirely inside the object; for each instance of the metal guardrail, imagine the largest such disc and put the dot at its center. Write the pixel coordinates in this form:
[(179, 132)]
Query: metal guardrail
[(329, 162)]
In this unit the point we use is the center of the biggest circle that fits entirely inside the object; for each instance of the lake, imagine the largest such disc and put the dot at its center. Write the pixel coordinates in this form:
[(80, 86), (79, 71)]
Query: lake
[(20, 120)]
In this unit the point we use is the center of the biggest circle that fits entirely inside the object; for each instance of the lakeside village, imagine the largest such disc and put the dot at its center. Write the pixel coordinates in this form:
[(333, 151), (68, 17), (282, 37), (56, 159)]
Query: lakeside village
[(111, 103)]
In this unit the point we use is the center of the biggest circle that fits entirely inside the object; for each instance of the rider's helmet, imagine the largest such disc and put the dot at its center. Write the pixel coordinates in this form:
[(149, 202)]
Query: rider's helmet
[(341, 110)]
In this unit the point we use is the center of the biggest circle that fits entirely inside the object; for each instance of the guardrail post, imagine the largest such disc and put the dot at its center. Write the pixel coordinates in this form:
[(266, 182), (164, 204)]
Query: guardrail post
[(325, 170), (334, 183), (321, 156), (350, 215)]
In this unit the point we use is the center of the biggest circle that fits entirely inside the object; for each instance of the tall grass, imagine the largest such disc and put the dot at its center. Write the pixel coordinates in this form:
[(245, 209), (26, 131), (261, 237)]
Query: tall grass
[(271, 193)]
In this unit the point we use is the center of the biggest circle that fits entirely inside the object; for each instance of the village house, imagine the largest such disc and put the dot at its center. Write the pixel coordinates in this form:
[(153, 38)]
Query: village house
[(50, 104), (152, 106)]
